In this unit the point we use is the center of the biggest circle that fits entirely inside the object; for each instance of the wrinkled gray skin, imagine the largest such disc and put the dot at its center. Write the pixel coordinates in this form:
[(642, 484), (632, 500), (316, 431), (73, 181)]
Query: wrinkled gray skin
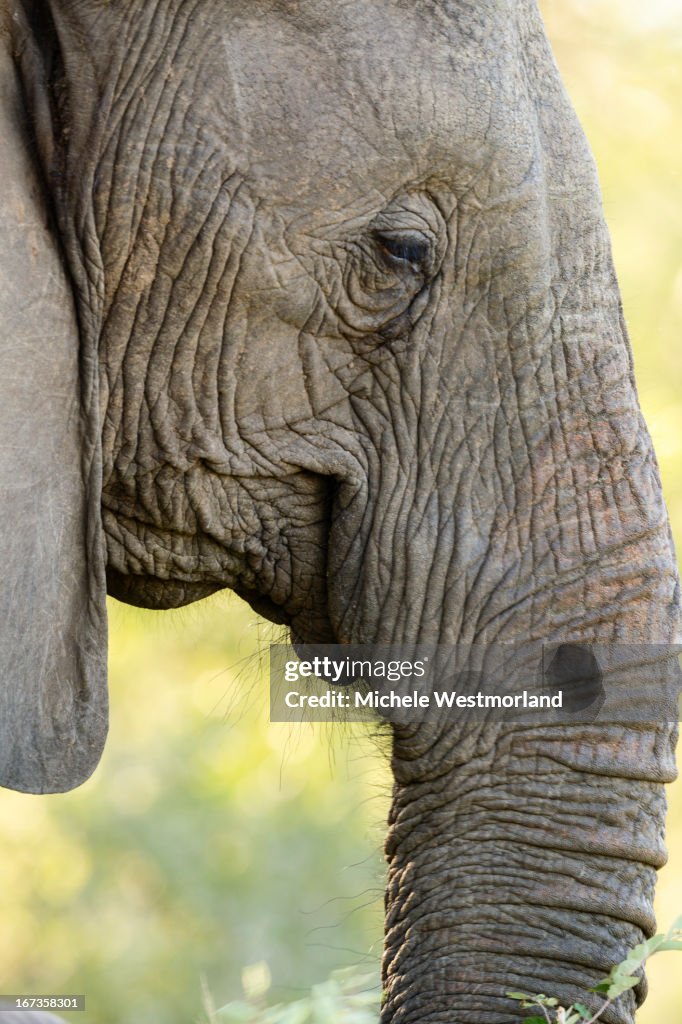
[(350, 337)]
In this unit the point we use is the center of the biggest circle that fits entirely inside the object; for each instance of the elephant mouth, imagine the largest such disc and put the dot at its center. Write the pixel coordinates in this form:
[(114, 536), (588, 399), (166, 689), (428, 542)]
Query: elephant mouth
[(311, 626)]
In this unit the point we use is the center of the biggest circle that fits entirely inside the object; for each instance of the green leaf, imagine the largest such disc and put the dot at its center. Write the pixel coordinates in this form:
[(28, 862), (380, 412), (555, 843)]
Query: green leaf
[(518, 995), (621, 985), (646, 949), (602, 988), (542, 1000), (533, 1020), (581, 1010), (626, 968)]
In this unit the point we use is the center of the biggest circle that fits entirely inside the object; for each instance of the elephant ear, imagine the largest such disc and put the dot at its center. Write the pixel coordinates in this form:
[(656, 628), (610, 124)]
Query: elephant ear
[(53, 700)]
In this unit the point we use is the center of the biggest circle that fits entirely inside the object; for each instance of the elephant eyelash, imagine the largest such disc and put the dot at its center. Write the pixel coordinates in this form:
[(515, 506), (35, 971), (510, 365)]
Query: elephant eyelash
[(410, 249)]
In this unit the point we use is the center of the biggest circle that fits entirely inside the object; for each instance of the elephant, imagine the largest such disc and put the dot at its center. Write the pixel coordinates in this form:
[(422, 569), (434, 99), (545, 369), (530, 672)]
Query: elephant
[(314, 300)]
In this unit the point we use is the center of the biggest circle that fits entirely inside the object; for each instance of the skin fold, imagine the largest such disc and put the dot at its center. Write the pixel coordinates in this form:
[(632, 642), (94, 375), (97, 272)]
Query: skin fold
[(351, 344)]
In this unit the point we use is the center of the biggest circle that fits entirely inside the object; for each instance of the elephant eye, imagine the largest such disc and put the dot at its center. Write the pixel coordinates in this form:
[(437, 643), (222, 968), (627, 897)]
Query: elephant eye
[(405, 247)]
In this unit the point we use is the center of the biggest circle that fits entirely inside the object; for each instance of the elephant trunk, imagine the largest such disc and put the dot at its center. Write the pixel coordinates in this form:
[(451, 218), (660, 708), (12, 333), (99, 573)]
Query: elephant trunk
[(519, 859)]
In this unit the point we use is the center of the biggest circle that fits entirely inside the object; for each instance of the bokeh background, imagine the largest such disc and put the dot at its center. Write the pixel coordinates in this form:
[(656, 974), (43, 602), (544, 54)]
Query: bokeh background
[(209, 839)]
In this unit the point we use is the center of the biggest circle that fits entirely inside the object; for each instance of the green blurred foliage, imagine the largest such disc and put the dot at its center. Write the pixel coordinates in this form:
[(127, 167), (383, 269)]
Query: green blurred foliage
[(209, 839), (347, 997), (206, 840)]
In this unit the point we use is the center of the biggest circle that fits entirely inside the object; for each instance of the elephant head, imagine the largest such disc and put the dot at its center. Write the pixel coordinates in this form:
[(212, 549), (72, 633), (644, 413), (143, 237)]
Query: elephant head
[(315, 301)]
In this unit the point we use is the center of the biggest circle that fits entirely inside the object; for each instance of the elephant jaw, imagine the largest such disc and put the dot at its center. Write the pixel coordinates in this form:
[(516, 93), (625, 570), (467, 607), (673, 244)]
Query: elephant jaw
[(162, 594), (158, 594), (273, 556)]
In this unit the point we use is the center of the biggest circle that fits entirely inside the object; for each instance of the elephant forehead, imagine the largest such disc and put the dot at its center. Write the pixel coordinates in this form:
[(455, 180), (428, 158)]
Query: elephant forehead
[(331, 97)]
